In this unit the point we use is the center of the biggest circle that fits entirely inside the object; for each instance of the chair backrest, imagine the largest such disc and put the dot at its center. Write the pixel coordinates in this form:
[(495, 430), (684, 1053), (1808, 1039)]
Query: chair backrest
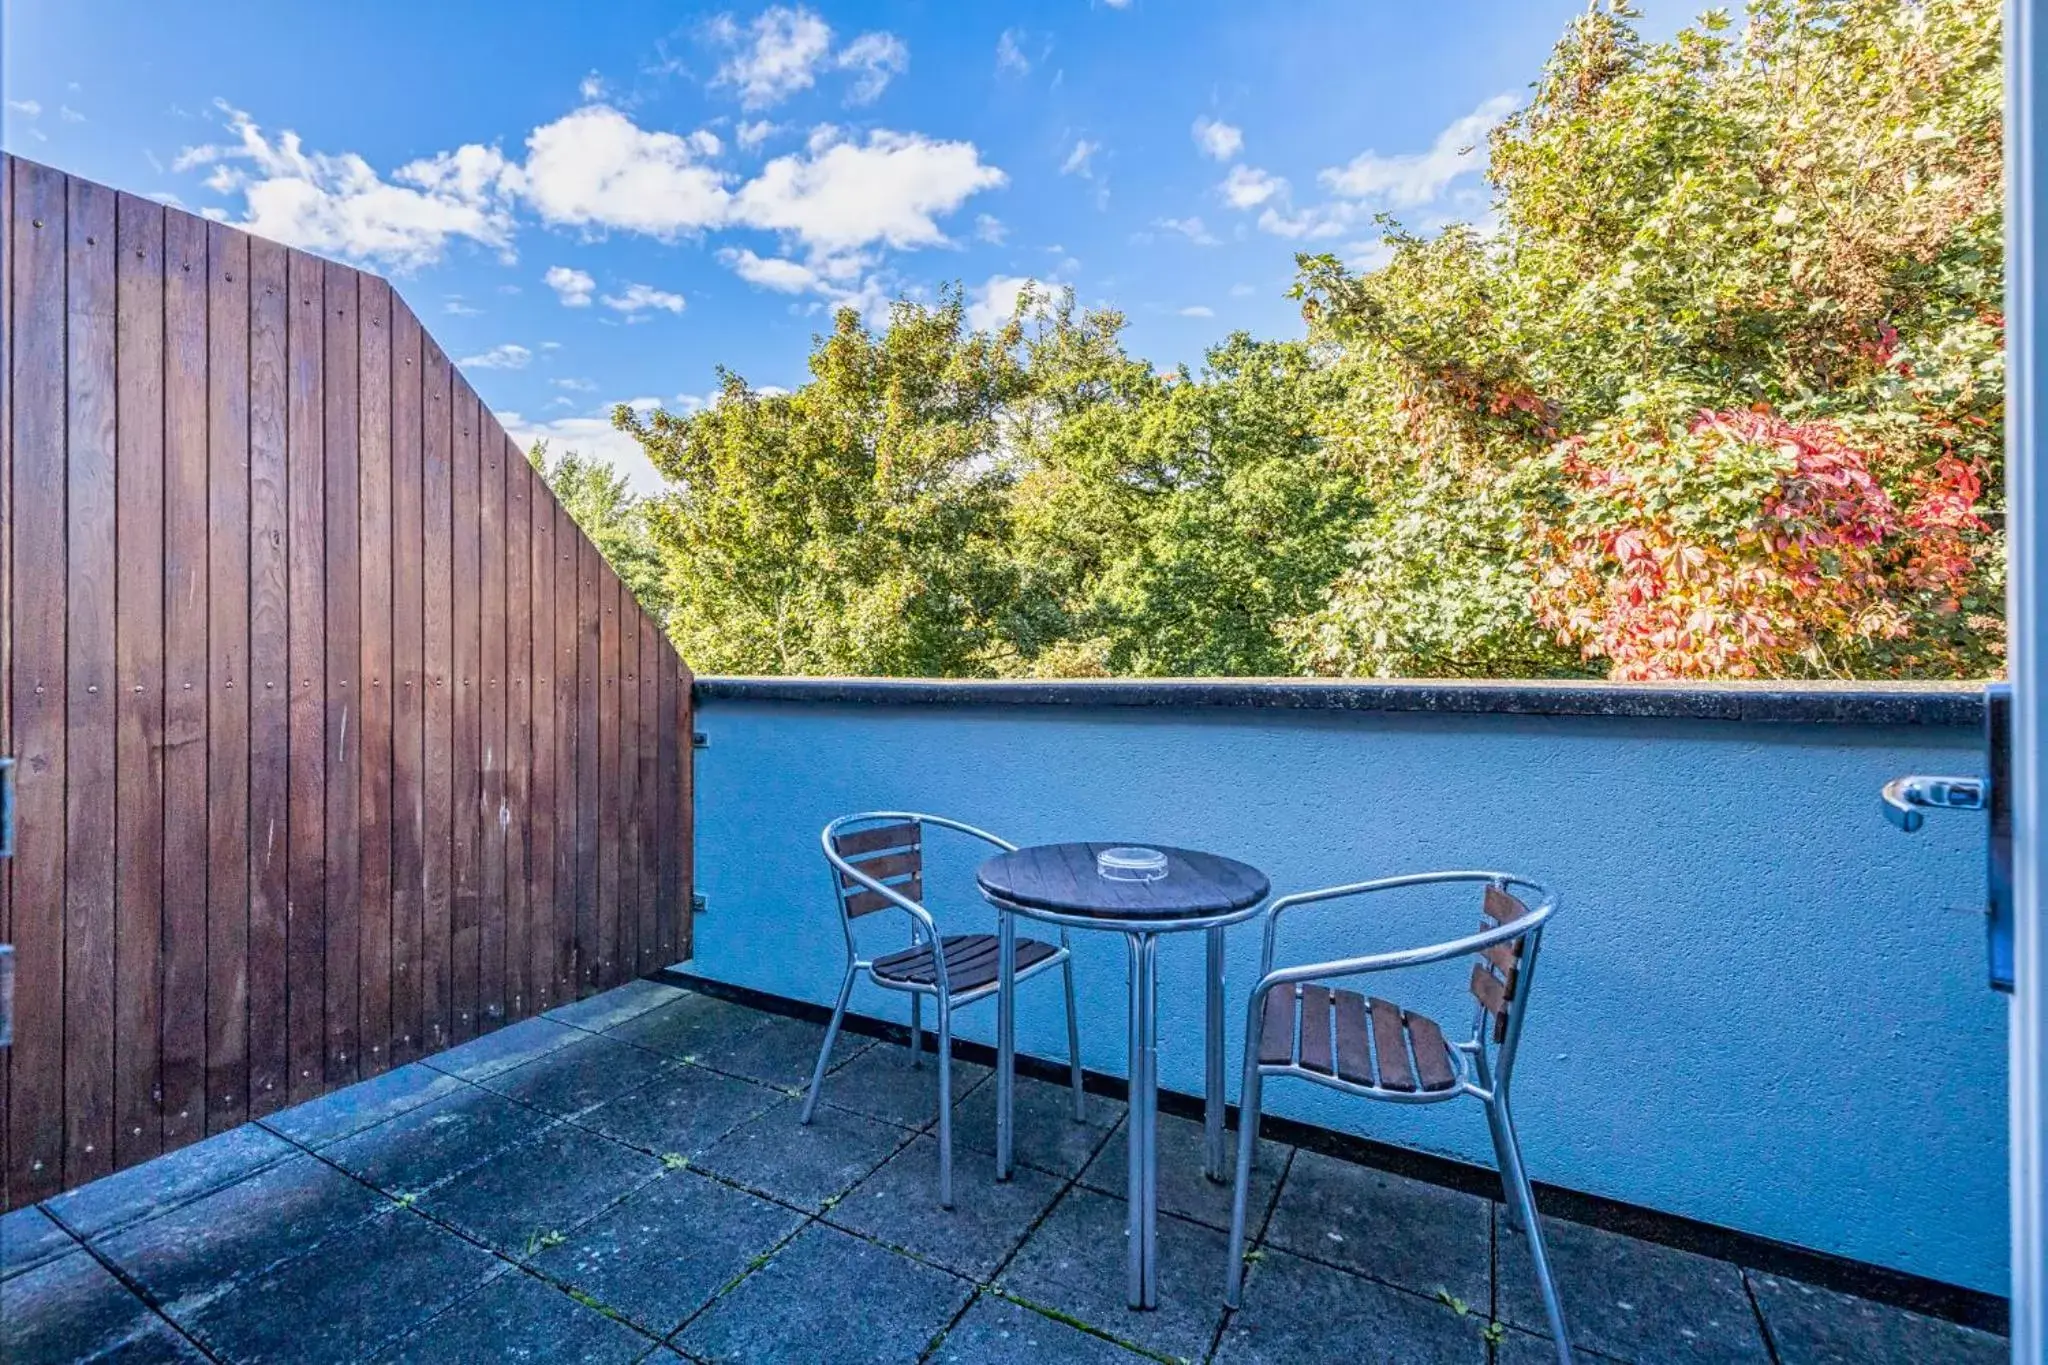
[(891, 854), (1497, 976)]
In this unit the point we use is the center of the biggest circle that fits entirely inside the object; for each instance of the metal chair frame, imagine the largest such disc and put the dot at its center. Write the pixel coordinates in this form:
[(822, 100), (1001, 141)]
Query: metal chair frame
[(1483, 1072), (924, 931)]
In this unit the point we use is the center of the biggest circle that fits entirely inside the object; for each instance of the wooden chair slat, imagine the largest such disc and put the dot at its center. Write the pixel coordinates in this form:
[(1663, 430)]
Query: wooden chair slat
[(1502, 908), (1276, 1030), (1315, 1030), (888, 866), (1392, 1037), (1432, 1053), (1503, 955), (865, 902), (970, 961), (1354, 1054), (909, 834), (1488, 990)]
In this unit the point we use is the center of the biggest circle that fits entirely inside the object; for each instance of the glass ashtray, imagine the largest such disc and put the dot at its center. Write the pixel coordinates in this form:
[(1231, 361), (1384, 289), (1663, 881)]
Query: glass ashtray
[(1131, 864)]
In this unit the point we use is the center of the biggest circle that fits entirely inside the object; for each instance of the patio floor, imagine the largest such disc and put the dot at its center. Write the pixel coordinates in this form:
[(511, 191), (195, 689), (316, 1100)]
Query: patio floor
[(624, 1179)]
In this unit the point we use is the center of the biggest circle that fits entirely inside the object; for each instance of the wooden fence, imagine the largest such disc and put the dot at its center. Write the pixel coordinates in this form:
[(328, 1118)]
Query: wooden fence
[(338, 742)]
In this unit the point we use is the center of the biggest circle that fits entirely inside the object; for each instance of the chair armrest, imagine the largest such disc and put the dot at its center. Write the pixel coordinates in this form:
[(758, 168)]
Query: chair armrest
[(1331, 893)]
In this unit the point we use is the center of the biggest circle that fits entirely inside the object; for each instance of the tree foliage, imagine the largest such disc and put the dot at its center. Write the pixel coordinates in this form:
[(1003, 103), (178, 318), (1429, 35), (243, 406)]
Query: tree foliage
[(1715, 390)]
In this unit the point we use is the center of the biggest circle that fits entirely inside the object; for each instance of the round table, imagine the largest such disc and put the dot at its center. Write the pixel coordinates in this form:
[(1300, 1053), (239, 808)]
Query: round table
[(1059, 884)]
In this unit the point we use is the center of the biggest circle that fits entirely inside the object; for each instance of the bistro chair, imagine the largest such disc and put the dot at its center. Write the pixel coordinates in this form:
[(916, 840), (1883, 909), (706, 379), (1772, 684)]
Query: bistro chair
[(877, 863), (1296, 1025)]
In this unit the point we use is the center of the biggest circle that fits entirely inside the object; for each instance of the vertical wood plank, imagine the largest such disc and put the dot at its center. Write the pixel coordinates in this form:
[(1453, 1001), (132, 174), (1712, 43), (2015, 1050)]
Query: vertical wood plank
[(306, 651), (228, 679), (541, 793), (412, 686), (466, 940), (627, 779), (89, 766), (490, 693), (591, 949), (646, 795), (36, 391), (342, 720), (187, 533), (515, 621), (569, 965), (139, 693), (437, 524), (608, 938), (6, 586), (270, 678), (377, 683)]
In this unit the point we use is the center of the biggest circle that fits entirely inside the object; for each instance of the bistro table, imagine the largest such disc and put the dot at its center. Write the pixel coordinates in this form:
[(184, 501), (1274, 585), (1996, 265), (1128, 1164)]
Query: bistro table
[(1060, 884)]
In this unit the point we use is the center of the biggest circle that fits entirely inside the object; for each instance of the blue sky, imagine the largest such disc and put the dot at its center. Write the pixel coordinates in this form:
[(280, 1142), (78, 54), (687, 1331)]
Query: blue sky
[(600, 203)]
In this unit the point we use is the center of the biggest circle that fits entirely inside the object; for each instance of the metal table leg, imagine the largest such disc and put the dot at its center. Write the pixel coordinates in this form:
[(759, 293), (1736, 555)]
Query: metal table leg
[(1006, 1039), (1142, 1223), (1212, 1093)]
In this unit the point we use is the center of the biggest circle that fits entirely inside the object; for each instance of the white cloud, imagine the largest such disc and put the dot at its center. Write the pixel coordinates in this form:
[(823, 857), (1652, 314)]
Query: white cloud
[(785, 47), (508, 356), (849, 195), (876, 59), (1219, 141), (591, 436), (771, 272), (989, 228), (1190, 228), (1315, 221), (573, 385), (1077, 160), (1198, 310), (572, 287), (1418, 177), (843, 281), (339, 205), (591, 87), (1247, 187), (29, 107), (596, 167), (70, 115), (993, 302), (1370, 255), (1010, 56), (638, 297), (457, 306), (750, 135), (1242, 291)]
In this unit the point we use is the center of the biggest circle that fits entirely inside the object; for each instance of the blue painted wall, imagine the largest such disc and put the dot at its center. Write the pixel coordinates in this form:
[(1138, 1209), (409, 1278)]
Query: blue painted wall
[(1761, 1006)]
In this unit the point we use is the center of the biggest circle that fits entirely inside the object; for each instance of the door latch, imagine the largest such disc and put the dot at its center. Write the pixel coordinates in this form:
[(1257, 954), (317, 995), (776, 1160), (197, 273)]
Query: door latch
[(1906, 799)]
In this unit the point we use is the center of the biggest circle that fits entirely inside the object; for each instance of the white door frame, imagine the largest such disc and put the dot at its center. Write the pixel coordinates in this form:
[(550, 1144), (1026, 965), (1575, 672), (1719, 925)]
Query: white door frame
[(2026, 117)]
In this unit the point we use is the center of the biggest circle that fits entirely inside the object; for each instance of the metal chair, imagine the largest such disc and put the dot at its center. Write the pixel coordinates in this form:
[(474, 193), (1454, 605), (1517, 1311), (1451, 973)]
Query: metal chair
[(1297, 1026), (877, 863)]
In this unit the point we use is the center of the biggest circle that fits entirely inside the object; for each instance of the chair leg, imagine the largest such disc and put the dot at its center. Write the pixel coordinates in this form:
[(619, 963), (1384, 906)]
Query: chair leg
[(945, 1102), (916, 1030), (825, 1050), (1074, 1043), (1240, 1195), (1522, 1202)]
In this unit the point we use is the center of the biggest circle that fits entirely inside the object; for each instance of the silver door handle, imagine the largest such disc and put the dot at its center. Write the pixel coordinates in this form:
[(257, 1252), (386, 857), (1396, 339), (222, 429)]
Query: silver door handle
[(1906, 799)]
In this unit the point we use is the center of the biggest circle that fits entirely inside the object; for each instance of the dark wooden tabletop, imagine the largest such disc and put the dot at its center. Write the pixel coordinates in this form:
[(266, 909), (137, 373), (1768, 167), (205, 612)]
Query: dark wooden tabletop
[(1062, 877)]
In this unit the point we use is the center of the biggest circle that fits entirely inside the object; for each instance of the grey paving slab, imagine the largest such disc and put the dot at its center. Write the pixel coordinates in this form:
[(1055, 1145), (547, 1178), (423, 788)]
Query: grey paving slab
[(683, 1111), (573, 1080), (1296, 1310), (1527, 1348), (348, 1297), (607, 1009), (689, 1024), (519, 1320), (29, 1237), (439, 1139), (506, 1048), (899, 1205), (1184, 1188), (803, 1164), (1403, 1232), (1074, 1263), (198, 1252), (668, 1248), (829, 1298), (550, 1184), (996, 1331), (881, 1083), (779, 1052), (1631, 1299), (169, 1180), (72, 1308), (363, 1105), (1814, 1326), (1046, 1135)]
